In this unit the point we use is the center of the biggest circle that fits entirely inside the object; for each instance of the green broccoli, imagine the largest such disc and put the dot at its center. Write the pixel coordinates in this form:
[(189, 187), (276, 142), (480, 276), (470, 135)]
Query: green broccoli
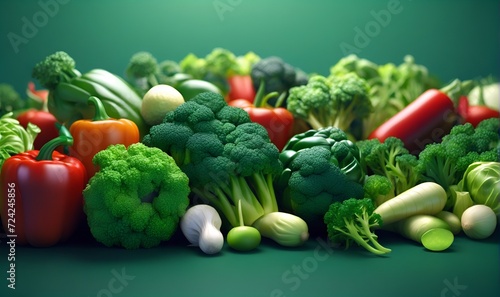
[(142, 71), (230, 161), (392, 160), (245, 63), (336, 102), (311, 181), (10, 100), (226, 156), (352, 221), (446, 162), (194, 66), (56, 68), (378, 188), (136, 198), (277, 75)]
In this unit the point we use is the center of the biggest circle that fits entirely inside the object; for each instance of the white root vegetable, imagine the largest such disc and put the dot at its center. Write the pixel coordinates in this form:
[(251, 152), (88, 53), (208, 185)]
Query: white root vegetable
[(425, 198), (452, 219), (479, 221), (415, 226), (201, 226)]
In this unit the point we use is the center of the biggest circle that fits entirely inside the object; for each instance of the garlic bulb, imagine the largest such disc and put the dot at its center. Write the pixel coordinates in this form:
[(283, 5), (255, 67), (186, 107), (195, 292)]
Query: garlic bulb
[(201, 226)]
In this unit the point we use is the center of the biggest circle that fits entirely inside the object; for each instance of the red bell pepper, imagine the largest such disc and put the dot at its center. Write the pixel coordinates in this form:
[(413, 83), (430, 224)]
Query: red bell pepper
[(45, 121), (240, 87), (41, 193), (278, 121)]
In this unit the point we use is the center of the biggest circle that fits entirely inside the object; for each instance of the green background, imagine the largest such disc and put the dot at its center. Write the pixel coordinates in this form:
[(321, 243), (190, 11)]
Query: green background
[(453, 38)]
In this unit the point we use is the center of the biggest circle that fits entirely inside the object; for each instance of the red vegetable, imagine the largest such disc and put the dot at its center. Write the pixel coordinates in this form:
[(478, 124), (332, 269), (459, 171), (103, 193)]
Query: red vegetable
[(240, 87), (45, 121), (474, 114), (426, 120), (41, 193), (278, 121)]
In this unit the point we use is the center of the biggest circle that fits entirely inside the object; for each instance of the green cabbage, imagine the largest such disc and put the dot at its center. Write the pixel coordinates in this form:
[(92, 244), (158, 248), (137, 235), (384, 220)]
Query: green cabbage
[(482, 181)]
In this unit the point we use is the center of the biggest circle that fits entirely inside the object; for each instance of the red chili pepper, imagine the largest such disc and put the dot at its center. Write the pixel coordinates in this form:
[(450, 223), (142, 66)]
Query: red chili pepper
[(41, 192), (92, 136), (45, 121), (240, 87), (278, 121), (474, 114), (426, 120)]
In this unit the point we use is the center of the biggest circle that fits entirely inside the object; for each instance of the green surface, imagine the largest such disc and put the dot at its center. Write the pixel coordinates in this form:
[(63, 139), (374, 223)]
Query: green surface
[(85, 268), (453, 38)]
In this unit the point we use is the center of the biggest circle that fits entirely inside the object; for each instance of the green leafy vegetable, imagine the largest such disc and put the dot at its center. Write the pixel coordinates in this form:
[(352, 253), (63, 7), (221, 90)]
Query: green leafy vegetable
[(14, 138)]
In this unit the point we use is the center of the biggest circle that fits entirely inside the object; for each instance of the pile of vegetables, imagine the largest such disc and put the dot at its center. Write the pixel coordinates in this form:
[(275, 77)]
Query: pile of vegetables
[(242, 150)]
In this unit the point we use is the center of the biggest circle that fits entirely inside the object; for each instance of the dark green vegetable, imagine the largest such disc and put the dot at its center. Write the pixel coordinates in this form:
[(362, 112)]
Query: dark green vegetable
[(320, 167), (228, 158), (69, 91), (277, 75), (10, 100)]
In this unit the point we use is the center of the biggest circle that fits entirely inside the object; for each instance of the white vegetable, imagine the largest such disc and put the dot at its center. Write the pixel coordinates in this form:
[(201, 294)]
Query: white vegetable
[(479, 221), (201, 226), (491, 95), (158, 101)]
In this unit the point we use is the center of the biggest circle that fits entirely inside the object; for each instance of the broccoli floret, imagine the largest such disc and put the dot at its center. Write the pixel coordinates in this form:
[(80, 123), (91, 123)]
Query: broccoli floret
[(333, 102), (169, 68), (446, 162), (194, 66), (227, 157), (277, 75), (142, 70), (392, 160), (54, 69), (378, 188), (10, 100), (220, 62), (311, 182), (136, 198), (245, 63), (351, 221)]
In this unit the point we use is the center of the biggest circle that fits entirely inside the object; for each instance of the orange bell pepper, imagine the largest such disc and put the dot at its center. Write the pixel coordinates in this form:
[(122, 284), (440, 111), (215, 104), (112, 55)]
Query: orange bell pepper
[(93, 136)]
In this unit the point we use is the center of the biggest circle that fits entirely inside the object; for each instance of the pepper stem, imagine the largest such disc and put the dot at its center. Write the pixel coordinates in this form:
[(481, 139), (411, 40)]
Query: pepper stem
[(47, 149), (261, 98), (100, 111)]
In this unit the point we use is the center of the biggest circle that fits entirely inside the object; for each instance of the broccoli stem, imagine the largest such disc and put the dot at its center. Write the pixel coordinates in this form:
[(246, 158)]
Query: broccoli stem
[(355, 233), (264, 188)]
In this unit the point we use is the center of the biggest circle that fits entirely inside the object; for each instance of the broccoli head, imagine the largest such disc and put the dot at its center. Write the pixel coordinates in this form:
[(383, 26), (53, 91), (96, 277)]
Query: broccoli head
[(446, 162), (391, 160), (310, 182), (142, 70), (277, 75), (352, 221), (336, 101), (228, 158), (10, 100), (54, 69), (136, 198)]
